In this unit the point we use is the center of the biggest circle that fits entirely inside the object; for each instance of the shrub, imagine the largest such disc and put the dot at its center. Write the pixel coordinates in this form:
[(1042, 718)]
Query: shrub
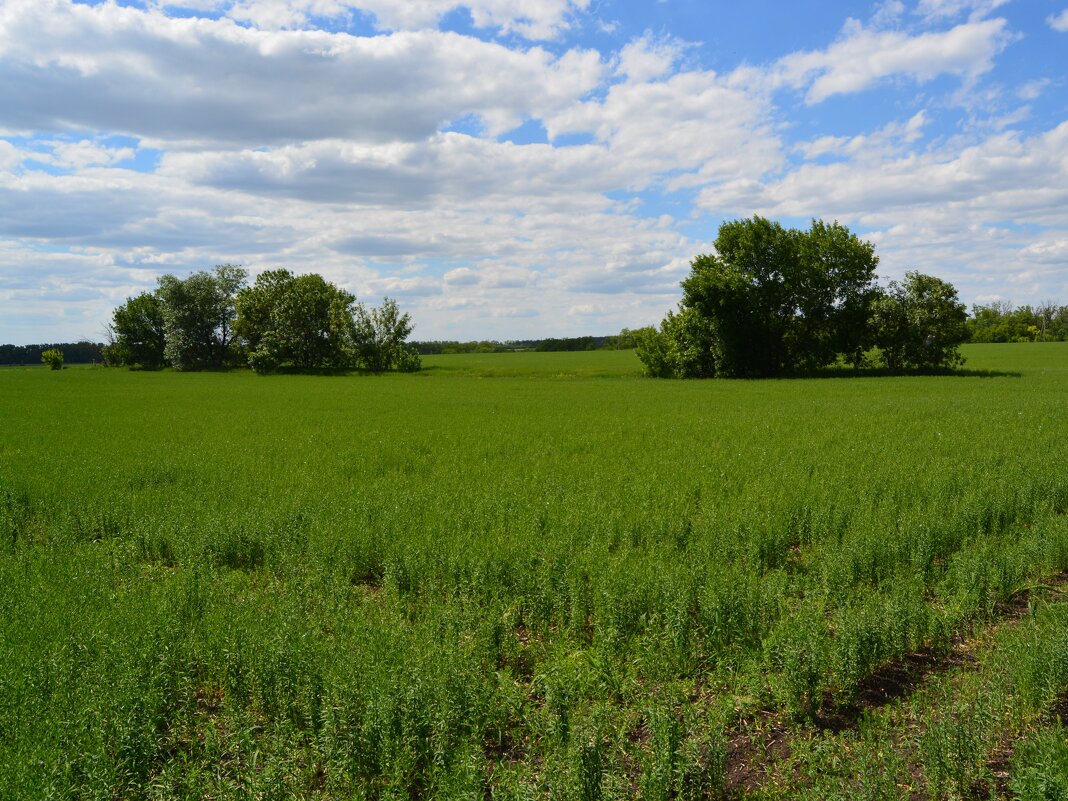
[(53, 357)]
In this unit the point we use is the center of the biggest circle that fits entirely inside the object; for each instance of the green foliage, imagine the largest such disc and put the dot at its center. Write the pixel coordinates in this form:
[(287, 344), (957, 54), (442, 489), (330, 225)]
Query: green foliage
[(776, 300), (408, 359), (1002, 322), (684, 347), (139, 333), (1040, 766), (303, 321), (198, 317), (83, 352), (919, 324), (212, 319), (53, 358), (379, 335)]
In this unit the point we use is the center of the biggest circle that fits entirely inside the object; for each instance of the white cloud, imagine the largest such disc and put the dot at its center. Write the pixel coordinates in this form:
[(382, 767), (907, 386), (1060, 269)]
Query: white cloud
[(86, 153), (170, 80), (335, 153), (887, 13), (1032, 90), (532, 19), (941, 9), (649, 57), (953, 212), (690, 123), (864, 56), (1059, 22), (891, 138), (10, 156), (992, 177), (461, 276)]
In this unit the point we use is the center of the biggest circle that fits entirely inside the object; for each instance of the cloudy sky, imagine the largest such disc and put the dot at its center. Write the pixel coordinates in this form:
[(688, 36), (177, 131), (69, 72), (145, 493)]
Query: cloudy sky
[(519, 168)]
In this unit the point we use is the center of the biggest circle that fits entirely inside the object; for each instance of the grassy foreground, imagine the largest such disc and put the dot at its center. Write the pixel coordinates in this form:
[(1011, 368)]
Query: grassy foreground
[(534, 576)]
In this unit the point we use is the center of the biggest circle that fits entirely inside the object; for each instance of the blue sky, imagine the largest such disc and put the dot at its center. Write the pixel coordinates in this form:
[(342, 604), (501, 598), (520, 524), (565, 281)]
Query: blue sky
[(519, 168)]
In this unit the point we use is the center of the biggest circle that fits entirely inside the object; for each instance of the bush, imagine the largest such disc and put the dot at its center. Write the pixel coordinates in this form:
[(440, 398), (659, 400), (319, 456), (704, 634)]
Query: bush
[(53, 358), (408, 360)]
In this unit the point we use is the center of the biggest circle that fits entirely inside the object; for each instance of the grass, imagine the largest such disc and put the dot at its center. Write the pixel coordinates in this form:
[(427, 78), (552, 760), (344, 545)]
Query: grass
[(565, 582)]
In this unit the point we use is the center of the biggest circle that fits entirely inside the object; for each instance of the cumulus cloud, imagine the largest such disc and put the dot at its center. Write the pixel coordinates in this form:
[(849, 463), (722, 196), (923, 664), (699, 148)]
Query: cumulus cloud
[(943, 210), (690, 123), (449, 165), (1059, 22), (532, 19), (941, 9), (862, 57), (891, 138), (382, 161), (991, 177), (649, 57), (121, 69)]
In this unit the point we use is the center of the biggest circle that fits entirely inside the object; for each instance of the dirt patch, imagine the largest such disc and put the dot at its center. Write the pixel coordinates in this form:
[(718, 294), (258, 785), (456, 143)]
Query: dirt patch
[(753, 750)]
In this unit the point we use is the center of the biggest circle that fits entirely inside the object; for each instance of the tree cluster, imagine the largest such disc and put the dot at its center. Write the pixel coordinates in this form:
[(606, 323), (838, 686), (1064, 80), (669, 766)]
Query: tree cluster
[(1003, 322), (775, 301), (215, 319)]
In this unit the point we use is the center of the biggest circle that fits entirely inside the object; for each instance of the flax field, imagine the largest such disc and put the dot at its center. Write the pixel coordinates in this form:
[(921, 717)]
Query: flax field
[(535, 576)]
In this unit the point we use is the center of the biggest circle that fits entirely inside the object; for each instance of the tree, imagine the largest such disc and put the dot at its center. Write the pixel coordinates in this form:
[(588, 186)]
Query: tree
[(379, 336), (770, 301), (304, 321), (919, 324), (198, 317), (683, 347), (138, 332), (53, 357)]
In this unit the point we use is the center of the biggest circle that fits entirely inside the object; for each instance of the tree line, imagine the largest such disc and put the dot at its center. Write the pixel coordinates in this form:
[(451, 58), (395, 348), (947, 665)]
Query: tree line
[(1003, 322), (774, 301), (626, 339), (83, 352), (216, 319)]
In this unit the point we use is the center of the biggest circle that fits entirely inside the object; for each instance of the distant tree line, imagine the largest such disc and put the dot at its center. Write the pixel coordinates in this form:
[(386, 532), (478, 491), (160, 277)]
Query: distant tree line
[(83, 352), (1003, 322), (450, 346), (215, 319), (624, 340), (774, 301)]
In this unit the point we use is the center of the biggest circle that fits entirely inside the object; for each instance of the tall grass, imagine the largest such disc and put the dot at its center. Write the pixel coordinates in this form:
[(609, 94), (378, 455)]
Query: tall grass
[(522, 575)]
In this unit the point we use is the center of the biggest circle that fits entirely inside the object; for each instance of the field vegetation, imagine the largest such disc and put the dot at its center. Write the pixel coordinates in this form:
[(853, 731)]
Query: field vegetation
[(535, 575)]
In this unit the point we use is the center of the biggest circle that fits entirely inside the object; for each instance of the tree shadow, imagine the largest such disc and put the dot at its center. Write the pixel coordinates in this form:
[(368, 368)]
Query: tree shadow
[(882, 372)]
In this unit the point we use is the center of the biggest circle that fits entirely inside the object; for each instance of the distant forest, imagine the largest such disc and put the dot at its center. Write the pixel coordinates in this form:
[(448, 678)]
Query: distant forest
[(624, 340), (996, 322), (73, 353)]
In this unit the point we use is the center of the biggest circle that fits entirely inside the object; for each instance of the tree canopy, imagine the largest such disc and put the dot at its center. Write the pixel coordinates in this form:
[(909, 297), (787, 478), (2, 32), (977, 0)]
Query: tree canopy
[(774, 301), (215, 319), (304, 321)]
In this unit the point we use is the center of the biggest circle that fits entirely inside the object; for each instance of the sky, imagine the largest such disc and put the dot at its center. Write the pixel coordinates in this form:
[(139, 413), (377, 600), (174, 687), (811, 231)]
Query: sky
[(511, 169)]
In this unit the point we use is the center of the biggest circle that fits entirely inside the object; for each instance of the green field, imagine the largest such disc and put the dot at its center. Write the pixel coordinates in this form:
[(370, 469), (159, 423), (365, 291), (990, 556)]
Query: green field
[(535, 575)]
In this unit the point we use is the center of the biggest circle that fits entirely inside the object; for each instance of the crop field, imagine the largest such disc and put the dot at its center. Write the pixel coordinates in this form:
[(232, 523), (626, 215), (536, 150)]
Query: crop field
[(535, 576)]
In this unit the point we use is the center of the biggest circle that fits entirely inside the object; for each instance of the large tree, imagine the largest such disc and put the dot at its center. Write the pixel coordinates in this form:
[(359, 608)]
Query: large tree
[(138, 332), (919, 324), (769, 301), (198, 317), (302, 321), (380, 335)]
